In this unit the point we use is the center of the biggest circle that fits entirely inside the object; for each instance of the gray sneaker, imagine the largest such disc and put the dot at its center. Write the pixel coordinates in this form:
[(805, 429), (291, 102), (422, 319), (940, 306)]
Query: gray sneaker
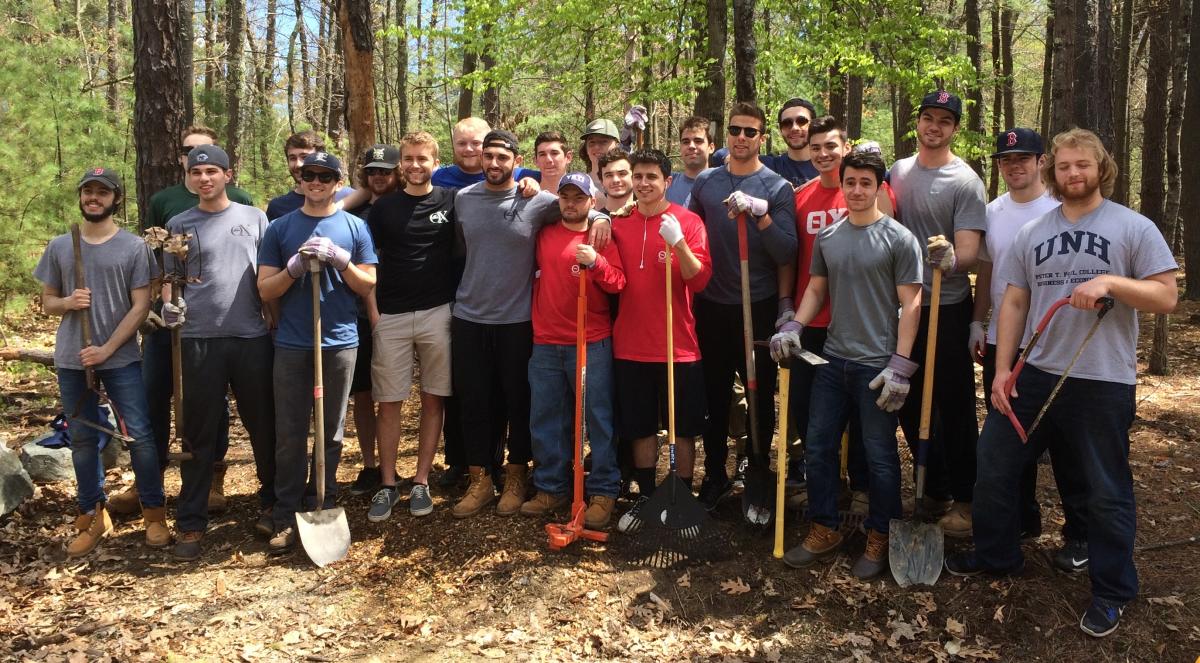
[(382, 503), (419, 501)]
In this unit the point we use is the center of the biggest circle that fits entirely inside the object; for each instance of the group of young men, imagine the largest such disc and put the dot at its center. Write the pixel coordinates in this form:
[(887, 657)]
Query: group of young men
[(472, 271)]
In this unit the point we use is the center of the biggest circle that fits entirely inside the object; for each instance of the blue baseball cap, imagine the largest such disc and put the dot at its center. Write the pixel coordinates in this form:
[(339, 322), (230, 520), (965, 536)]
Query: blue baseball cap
[(1018, 141), (582, 181), (323, 160)]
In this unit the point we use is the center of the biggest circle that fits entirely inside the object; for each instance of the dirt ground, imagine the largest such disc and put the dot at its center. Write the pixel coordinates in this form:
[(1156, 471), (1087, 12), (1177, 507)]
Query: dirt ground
[(437, 589)]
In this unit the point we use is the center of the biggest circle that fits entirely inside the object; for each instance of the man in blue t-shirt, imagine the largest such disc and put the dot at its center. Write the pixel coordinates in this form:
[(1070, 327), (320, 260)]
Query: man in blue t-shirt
[(297, 148), (794, 165), (318, 230), (467, 169)]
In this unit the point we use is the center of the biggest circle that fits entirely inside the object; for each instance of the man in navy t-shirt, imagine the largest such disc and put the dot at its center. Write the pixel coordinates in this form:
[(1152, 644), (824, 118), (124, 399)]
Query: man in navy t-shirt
[(467, 168), (297, 147)]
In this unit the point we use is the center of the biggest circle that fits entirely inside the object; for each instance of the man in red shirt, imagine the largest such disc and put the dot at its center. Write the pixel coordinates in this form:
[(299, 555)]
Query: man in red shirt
[(640, 335), (563, 257)]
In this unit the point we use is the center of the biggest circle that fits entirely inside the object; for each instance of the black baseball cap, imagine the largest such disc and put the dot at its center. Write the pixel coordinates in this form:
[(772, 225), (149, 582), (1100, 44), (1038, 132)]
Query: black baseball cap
[(1018, 140), (106, 176), (323, 160), (943, 100), (207, 155), (381, 156), (502, 138), (792, 103)]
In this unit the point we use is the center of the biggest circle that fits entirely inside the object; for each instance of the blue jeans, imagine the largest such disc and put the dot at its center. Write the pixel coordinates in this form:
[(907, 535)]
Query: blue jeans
[(1087, 432), (156, 375), (839, 388), (124, 388), (552, 418)]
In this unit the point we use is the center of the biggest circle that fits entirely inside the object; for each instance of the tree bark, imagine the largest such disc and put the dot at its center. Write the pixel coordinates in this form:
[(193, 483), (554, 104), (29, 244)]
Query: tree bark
[(236, 15), (710, 98), (1061, 104), (1048, 56), (1190, 194), (1101, 78), (1180, 42), (837, 92), (210, 65), (402, 67), (1121, 102), (291, 78), (1007, 19), (1154, 138), (997, 94), (491, 89), (113, 91), (302, 34), (158, 97), (854, 106), (358, 53), (745, 51), (187, 72), (267, 84), (975, 91)]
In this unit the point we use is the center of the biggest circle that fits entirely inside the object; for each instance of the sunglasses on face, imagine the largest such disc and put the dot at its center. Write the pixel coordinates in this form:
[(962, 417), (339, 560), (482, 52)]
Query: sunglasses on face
[(789, 122), (325, 178), (373, 172), (750, 132)]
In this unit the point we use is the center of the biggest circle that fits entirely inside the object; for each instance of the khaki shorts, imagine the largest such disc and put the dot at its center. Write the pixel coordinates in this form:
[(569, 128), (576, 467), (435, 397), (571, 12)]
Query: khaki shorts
[(396, 336)]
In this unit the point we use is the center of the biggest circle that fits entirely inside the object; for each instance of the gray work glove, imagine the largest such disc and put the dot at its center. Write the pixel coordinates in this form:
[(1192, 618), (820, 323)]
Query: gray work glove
[(894, 383)]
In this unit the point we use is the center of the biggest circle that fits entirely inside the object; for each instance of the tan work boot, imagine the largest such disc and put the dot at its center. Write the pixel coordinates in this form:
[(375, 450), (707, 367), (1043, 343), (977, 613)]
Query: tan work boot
[(155, 520), (599, 512), (543, 503), (820, 542), (957, 522), (92, 528), (125, 503), (480, 493), (516, 485), (216, 493), (874, 558)]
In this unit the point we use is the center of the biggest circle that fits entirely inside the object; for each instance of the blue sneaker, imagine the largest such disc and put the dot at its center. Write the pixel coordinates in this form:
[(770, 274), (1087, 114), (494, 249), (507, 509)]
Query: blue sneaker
[(382, 503), (1101, 618)]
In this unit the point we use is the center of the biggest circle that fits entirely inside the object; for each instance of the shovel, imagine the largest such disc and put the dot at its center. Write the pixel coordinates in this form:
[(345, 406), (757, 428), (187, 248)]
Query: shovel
[(757, 498), (324, 533), (915, 550)]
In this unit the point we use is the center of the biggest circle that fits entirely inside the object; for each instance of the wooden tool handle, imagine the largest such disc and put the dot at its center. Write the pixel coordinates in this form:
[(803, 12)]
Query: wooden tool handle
[(785, 374), (85, 315), (314, 275), (670, 360), (935, 299)]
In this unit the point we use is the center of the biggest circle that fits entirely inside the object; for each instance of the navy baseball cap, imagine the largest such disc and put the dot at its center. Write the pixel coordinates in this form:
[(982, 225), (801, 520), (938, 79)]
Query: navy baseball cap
[(792, 103), (502, 138), (1018, 141), (106, 176), (381, 156), (323, 160), (207, 155), (943, 100), (582, 181)]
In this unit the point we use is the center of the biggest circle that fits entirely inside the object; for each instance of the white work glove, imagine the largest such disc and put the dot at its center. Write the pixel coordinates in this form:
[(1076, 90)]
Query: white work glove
[(323, 249), (174, 315), (297, 265), (894, 383), (636, 118), (977, 346), (941, 253), (670, 230), (739, 203), (786, 343)]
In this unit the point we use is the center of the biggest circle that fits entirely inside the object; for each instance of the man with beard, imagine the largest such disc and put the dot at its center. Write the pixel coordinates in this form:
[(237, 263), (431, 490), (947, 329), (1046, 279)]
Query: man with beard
[(296, 148), (794, 165), (941, 200), (410, 315), (617, 176), (1088, 249), (491, 332), (318, 230), (467, 169), (695, 147), (225, 343), (116, 299), (553, 157)]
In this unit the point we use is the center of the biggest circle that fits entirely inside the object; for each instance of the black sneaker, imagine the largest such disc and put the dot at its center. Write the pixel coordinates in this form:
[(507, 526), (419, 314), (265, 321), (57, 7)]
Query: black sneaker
[(630, 522), (452, 476), (713, 489), (1101, 618), (739, 476), (367, 481), (1072, 557), (966, 565)]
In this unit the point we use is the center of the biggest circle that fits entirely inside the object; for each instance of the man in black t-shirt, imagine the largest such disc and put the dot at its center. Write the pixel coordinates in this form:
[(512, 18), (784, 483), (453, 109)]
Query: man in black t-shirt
[(410, 315)]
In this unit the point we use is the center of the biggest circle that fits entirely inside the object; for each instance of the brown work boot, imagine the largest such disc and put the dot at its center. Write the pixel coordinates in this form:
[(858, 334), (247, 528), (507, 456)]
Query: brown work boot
[(957, 522), (480, 493), (155, 520), (92, 528), (599, 512), (216, 493), (125, 503), (516, 486), (820, 542), (874, 558), (543, 503)]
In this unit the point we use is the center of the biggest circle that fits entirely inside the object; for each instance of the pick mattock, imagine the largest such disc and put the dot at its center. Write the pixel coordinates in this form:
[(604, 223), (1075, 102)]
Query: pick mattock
[(915, 548), (757, 498), (563, 535), (1105, 305), (93, 385), (672, 527), (324, 533)]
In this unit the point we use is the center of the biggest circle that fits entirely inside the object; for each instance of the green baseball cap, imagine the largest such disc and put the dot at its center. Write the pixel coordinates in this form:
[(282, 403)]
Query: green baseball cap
[(601, 127)]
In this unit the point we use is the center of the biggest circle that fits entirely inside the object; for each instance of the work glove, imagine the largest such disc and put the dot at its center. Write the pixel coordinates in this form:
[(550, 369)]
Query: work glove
[(894, 383), (941, 253), (670, 230), (297, 265), (741, 203), (174, 315), (151, 324), (323, 249), (625, 210), (977, 346), (786, 342), (636, 118), (786, 311)]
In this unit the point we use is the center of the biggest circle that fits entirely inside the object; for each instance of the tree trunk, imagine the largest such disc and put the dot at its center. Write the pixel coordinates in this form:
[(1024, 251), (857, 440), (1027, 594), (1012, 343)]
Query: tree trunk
[(710, 98), (1121, 102), (113, 91), (236, 15), (854, 106), (1007, 19), (975, 91), (837, 92), (266, 85), (358, 49), (291, 78), (210, 65), (158, 97), (1100, 54), (302, 33), (745, 51), (491, 88), (1189, 135), (1048, 56), (589, 85), (466, 96), (402, 67), (902, 121), (1180, 42), (187, 72), (321, 66), (997, 94), (1154, 138), (1061, 103)]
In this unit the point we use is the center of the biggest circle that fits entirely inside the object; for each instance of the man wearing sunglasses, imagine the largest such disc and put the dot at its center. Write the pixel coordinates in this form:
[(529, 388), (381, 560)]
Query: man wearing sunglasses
[(297, 148), (794, 165), (742, 191)]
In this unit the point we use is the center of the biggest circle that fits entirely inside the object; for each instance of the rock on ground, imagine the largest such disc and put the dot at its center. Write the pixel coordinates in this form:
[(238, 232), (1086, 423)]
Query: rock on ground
[(45, 465), (15, 484)]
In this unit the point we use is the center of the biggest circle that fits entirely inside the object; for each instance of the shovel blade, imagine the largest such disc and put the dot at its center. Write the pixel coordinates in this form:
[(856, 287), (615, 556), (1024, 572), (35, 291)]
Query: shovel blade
[(915, 552), (324, 534)]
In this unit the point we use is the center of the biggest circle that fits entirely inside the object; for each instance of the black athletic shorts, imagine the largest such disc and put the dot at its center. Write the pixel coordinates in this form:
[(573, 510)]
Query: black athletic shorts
[(642, 398), (362, 365)]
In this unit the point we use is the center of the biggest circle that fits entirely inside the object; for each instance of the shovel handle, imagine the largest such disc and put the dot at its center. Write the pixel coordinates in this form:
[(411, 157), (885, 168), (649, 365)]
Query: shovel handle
[(748, 335), (785, 375), (314, 275), (935, 299), (85, 315), (670, 362)]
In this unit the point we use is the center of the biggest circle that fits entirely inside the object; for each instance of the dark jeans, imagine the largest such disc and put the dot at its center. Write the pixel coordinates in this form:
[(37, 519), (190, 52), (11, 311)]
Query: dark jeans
[(1087, 432), (210, 366), (295, 477), (156, 374), (839, 388), (953, 427), (490, 365), (719, 328), (813, 340)]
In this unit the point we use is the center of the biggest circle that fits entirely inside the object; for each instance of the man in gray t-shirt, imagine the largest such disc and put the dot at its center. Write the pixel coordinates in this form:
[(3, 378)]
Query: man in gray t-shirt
[(1087, 249), (225, 343), (941, 200), (869, 266)]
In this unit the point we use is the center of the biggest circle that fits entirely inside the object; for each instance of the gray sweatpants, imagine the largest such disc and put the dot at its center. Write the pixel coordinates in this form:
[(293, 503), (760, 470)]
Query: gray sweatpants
[(295, 487)]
